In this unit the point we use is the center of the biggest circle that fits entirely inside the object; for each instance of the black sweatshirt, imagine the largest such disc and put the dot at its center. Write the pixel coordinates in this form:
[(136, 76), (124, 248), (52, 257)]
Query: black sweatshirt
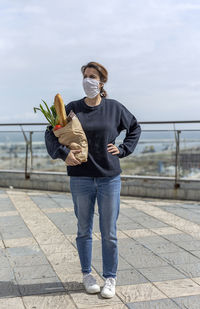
[(101, 124)]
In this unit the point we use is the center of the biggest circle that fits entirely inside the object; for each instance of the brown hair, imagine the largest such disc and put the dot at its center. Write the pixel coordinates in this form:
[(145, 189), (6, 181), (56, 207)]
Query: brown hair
[(103, 74)]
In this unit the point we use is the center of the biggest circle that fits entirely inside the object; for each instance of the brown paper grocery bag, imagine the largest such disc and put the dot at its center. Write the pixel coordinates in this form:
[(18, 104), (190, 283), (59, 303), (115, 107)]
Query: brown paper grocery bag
[(73, 136)]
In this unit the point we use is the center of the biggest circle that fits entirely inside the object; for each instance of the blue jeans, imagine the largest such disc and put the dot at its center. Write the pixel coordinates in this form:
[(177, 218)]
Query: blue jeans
[(85, 191)]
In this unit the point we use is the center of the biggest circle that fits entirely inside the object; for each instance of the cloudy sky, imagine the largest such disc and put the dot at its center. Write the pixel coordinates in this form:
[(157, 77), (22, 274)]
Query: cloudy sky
[(151, 49)]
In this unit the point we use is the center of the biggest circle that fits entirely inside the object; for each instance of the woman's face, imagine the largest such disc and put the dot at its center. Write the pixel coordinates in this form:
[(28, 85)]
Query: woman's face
[(92, 73)]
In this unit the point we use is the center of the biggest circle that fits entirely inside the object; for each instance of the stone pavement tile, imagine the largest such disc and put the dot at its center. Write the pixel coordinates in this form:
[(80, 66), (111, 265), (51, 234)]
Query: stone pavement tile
[(1, 244), (72, 282), (87, 301), (40, 286), (120, 235), (6, 274), (196, 235), (18, 231), (66, 222), (139, 233), (11, 303), (125, 223), (62, 195), (53, 301), (3, 253), (28, 261), (7, 221), (139, 292), (44, 202), (9, 289), (179, 287), (180, 257), (122, 264), (66, 246), (63, 258), (44, 238), (69, 209), (131, 246), (190, 270), (6, 205), (53, 210), (129, 251), (129, 212), (196, 279), (116, 306), (34, 272), (196, 253), (149, 222), (171, 219), (152, 239), (36, 193), (24, 250), (67, 270), (145, 260), (154, 304), (96, 236), (133, 201), (64, 203), (128, 277), (190, 245), (20, 242), (3, 192), (71, 238), (166, 230), (176, 238), (188, 302), (4, 261), (161, 273), (15, 192), (8, 213), (124, 205), (185, 213), (161, 247), (13, 227)]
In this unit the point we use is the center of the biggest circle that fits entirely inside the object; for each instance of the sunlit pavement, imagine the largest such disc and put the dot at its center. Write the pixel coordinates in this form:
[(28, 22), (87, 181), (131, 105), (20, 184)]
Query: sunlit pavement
[(159, 254)]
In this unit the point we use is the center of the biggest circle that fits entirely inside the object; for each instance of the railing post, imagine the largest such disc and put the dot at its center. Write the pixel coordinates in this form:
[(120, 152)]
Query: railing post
[(27, 175), (26, 162), (31, 150), (177, 159)]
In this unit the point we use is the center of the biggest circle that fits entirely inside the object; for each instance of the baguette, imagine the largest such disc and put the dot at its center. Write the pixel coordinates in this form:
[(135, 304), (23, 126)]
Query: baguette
[(60, 110)]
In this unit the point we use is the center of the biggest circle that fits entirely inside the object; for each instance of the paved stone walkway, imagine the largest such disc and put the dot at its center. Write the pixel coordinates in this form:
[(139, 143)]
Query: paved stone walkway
[(159, 247)]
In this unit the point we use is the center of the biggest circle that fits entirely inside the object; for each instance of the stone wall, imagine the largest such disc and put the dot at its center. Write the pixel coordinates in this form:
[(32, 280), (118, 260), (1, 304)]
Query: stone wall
[(140, 186)]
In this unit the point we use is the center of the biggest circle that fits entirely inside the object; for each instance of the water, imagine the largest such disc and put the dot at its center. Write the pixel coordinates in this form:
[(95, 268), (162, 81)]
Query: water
[(14, 142)]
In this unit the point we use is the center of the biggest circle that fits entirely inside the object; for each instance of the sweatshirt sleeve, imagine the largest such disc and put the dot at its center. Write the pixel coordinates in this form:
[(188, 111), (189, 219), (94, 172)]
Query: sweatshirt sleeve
[(129, 123), (54, 148)]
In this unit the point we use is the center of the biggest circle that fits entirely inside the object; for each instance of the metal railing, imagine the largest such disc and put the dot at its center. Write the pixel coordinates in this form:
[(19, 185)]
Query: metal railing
[(172, 157)]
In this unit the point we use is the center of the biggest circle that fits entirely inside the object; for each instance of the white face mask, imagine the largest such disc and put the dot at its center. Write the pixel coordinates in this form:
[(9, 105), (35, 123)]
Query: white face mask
[(91, 87)]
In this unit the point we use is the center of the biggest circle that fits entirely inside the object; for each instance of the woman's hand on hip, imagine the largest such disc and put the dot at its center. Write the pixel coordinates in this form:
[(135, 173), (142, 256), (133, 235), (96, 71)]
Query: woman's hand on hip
[(113, 149), (71, 160)]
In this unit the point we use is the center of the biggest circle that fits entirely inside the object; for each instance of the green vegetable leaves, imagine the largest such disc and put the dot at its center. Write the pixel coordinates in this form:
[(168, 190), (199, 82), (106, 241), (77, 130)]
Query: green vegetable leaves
[(49, 113)]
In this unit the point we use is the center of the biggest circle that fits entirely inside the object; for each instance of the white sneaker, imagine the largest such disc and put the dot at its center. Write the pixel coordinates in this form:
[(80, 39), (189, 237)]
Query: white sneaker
[(90, 284), (108, 290)]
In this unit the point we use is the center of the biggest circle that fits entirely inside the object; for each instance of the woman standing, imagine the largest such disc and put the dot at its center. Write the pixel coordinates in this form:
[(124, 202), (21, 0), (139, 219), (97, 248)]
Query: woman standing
[(102, 120)]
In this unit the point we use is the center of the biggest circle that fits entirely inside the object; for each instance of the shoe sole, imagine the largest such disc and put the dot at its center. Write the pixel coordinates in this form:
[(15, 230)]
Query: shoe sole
[(93, 292), (106, 296)]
